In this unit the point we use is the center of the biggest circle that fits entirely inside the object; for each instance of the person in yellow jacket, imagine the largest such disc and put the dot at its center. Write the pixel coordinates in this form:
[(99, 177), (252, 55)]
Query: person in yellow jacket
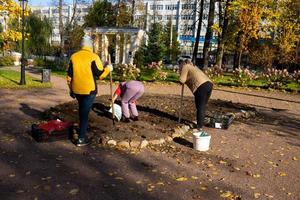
[(199, 84), (84, 69)]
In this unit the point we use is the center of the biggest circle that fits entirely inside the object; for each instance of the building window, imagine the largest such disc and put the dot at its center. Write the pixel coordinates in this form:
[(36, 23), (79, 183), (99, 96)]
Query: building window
[(171, 7), (156, 7), (188, 6), (54, 10), (85, 9), (187, 17), (45, 11)]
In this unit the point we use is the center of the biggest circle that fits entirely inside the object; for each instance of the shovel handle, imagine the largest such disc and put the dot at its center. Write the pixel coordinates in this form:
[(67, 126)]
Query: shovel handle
[(111, 92), (181, 103)]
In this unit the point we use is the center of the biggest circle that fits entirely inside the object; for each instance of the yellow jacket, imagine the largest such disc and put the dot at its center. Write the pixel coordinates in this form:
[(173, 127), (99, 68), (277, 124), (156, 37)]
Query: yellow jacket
[(84, 69)]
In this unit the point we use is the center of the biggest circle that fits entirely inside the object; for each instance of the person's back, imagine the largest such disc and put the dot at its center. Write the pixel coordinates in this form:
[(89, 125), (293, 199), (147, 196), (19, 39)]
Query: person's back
[(193, 77), (83, 77)]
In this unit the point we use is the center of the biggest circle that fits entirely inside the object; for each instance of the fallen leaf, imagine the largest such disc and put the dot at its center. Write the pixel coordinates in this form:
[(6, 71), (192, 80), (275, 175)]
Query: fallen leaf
[(182, 179), (256, 175), (269, 196), (138, 182), (236, 168), (74, 191), (295, 158), (281, 173), (256, 195), (253, 188), (210, 165), (194, 177), (160, 183), (222, 162), (203, 188), (226, 194)]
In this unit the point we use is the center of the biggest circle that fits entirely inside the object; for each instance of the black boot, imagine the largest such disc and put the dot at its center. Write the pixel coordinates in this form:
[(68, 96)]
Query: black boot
[(125, 119), (135, 118), (82, 142)]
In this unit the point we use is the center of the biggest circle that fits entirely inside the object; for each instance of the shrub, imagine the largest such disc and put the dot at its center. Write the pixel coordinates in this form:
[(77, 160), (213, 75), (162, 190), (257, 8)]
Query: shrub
[(55, 65), (7, 61), (156, 72), (214, 71), (243, 76), (276, 78), (296, 76), (127, 72)]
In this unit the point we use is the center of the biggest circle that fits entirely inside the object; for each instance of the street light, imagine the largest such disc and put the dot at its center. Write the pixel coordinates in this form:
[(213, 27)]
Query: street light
[(23, 5)]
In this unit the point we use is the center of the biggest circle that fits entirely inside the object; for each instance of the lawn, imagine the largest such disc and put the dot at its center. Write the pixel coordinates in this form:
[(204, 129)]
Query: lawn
[(228, 80), (11, 79)]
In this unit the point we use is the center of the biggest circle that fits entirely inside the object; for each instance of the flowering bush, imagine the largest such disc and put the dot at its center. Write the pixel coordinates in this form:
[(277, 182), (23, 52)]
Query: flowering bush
[(296, 76), (6, 61), (243, 76), (276, 78), (156, 71), (128, 72), (214, 71)]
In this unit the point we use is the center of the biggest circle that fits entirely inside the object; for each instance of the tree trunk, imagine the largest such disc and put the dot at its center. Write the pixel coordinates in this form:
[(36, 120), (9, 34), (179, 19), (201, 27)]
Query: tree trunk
[(238, 52), (209, 33), (220, 51), (132, 12), (195, 52)]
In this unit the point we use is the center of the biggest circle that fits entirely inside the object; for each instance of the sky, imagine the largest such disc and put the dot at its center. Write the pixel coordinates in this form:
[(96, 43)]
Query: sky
[(47, 2), (42, 2)]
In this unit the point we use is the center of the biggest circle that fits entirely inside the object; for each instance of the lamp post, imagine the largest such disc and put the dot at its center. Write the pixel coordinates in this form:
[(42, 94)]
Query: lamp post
[(23, 5)]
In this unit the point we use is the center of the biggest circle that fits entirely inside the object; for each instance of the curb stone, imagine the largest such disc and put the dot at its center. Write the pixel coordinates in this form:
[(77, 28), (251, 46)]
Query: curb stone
[(141, 144)]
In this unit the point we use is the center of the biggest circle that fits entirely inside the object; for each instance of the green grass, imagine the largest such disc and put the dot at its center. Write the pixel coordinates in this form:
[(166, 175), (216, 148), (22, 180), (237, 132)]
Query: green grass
[(11, 79), (59, 73), (227, 80)]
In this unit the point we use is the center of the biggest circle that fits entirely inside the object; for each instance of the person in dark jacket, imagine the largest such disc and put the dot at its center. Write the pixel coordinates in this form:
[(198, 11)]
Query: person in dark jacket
[(200, 85), (84, 69)]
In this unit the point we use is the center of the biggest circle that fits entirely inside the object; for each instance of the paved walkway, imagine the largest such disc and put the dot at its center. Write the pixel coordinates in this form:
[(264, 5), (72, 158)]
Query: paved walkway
[(61, 171)]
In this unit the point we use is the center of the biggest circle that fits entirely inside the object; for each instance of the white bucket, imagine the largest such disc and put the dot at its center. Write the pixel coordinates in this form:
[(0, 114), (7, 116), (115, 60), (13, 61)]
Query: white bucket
[(117, 111), (201, 143)]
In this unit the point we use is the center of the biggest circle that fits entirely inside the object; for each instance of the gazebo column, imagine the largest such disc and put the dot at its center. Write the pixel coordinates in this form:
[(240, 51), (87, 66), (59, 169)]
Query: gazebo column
[(117, 50), (136, 41), (124, 59), (128, 45)]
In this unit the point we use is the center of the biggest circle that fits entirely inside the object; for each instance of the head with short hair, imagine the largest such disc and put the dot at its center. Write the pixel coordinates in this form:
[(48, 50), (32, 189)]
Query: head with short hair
[(181, 62), (87, 41)]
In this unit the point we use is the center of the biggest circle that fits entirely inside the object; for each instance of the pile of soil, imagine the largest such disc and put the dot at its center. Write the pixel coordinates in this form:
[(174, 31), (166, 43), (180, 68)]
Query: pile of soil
[(158, 116)]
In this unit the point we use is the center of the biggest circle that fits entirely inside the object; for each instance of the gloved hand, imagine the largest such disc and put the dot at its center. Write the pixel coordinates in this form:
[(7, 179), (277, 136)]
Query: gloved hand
[(110, 67), (72, 95)]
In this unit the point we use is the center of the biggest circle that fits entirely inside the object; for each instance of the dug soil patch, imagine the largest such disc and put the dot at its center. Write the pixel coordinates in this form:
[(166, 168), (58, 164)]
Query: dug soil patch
[(158, 116)]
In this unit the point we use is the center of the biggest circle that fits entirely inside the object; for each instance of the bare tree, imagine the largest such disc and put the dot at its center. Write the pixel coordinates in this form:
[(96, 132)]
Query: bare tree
[(209, 32), (201, 9), (66, 24), (223, 21)]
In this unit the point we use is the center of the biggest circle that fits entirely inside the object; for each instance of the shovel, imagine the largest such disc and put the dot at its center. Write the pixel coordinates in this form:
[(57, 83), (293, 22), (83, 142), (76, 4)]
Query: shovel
[(181, 102), (111, 92)]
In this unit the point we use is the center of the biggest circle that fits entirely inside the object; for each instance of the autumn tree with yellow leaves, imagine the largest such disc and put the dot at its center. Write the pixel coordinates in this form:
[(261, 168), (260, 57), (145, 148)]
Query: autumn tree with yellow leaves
[(12, 11)]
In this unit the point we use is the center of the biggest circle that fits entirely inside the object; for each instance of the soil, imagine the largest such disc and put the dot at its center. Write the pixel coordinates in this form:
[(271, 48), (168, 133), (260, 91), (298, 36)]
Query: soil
[(158, 116)]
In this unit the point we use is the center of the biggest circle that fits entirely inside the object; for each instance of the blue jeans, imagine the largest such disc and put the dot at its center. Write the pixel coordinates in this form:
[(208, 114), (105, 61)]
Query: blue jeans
[(85, 104)]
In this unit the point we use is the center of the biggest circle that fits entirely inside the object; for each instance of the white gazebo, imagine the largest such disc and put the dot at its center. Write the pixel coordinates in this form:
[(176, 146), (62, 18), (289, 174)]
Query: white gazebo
[(126, 40)]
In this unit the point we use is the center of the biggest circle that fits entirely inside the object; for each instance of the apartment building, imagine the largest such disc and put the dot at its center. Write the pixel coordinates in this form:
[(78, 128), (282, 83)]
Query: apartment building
[(52, 13), (183, 16)]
